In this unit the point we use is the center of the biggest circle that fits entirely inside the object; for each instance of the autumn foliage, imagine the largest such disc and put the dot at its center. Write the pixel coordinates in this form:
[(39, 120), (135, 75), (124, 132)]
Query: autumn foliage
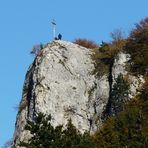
[(86, 43), (137, 47)]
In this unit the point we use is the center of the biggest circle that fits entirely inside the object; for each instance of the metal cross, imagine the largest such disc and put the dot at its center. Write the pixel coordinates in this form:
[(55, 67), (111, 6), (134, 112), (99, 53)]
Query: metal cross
[(54, 28)]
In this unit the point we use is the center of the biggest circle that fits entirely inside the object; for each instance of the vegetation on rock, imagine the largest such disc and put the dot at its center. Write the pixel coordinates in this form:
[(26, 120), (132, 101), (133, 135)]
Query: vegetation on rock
[(119, 96), (128, 128), (137, 47), (104, 55), (44, 135), (86, 43)]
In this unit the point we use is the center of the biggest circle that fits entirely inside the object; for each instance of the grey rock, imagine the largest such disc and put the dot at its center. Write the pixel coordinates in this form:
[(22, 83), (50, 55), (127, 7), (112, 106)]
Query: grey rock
[(60, 82)]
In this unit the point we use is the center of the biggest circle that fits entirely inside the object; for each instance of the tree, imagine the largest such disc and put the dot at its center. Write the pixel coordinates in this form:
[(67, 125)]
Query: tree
[(119, 95), (44, 135), (118, 40), (127, 129), (86, 43), (36, 49), (8, 144), (42, 132), (117, 35), (137, 47)]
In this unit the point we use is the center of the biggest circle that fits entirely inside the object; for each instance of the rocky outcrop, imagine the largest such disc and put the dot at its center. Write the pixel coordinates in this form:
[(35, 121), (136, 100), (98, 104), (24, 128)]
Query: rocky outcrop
[(61, 82), (120, 66)]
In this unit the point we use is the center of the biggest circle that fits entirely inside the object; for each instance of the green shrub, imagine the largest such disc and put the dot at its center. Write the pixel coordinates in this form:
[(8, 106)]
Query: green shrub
[(119, 94), (44, 135), (104, 56), (128, 128)]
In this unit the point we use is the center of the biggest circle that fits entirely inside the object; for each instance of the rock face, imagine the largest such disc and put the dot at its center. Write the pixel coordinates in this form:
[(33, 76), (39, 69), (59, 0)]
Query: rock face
[(61, 82), (119, 66)]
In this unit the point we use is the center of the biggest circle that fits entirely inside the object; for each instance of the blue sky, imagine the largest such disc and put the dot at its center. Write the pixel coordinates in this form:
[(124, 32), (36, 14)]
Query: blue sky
[(28, 22)]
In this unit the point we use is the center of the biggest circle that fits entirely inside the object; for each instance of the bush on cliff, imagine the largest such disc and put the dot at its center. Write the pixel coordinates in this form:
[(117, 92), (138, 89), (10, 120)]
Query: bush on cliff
[(44, 135)]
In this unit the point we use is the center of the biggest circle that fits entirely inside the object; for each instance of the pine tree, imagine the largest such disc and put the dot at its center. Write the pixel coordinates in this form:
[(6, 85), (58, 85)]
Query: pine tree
[(119, 94), (44, 135)]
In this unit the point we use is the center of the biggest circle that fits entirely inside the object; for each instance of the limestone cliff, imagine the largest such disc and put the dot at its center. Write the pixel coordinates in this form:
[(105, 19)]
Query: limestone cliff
[(61, 82)]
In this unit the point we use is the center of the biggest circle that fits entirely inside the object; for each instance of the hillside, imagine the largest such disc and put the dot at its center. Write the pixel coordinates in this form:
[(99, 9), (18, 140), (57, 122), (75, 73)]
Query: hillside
[(102, 90)]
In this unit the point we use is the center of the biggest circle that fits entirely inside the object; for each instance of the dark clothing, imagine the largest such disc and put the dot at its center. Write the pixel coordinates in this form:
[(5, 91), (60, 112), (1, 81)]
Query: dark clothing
[(59, 36)]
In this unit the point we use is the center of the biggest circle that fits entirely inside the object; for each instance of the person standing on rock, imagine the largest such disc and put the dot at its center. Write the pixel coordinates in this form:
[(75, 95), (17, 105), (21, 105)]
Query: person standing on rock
[(59, 36)]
